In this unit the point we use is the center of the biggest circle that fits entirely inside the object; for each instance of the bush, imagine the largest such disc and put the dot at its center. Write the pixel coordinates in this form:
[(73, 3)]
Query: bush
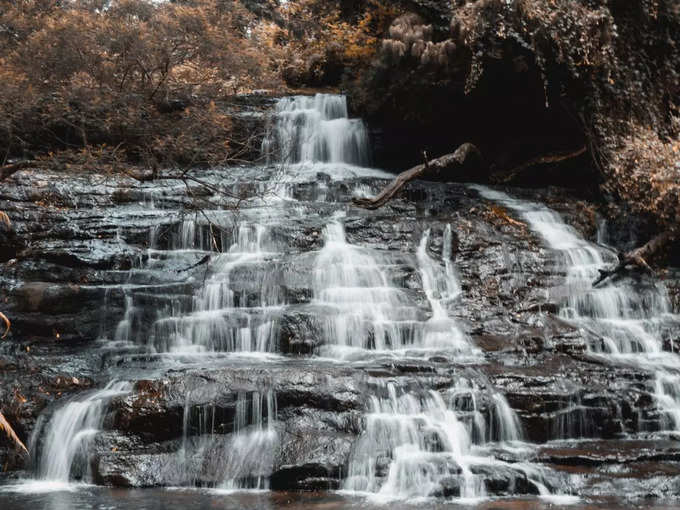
[(132, 75)]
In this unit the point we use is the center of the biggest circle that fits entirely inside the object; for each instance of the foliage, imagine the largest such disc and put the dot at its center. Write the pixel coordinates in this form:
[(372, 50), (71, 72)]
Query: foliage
[(322, 40), (612, 65), (137, 76)]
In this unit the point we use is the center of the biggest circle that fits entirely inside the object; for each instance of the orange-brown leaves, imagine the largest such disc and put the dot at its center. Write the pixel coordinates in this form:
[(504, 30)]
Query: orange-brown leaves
[(138, 76)]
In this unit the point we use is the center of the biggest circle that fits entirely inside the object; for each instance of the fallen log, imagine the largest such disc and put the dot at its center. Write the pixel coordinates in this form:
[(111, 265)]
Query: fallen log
[(462, 158), (637, 257), (463, 161)]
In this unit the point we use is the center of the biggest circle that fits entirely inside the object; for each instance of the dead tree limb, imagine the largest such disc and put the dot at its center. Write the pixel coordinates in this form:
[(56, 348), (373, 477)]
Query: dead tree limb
[(461, 160), (7, 170), (504, 177), (637, 257), (433, 169), (204, 260), (7, 428)]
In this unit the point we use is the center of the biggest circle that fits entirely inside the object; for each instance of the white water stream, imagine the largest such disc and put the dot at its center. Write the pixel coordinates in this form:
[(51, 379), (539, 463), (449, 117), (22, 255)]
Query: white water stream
[(70, 430), (623, 319), (415, 441)]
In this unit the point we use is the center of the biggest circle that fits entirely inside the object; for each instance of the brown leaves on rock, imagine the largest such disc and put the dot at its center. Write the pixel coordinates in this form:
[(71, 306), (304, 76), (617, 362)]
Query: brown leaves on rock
[(500, 213)]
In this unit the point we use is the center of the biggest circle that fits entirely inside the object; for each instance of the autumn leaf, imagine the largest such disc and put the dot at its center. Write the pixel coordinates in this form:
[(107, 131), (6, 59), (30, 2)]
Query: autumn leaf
[(501, 213)]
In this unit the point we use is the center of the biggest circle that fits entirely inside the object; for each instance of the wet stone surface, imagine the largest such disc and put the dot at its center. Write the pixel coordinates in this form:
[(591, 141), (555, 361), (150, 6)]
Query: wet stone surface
[(102, 287)]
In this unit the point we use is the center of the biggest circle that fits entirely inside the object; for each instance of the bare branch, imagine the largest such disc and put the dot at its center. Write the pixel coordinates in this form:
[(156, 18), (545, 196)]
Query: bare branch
[(434, 168)]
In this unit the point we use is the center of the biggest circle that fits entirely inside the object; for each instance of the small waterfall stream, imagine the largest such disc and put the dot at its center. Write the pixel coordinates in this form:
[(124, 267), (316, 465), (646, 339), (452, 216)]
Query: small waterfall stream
[(222, 319), (242, 459), (313, 129), (623, 320), (70, 430)]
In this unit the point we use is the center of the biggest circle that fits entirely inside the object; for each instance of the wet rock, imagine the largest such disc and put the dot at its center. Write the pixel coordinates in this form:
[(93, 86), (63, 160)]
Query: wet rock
[(504, 480), (301, 330), (601, 452), (10, 243), (310, 459), (90, 266)]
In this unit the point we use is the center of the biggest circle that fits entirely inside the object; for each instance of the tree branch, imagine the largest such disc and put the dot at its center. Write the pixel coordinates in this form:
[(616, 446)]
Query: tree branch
[(637, 257), (434, 168), (504, 177)]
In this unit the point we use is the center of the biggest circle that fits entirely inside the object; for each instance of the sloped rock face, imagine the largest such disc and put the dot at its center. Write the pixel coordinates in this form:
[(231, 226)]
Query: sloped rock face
[(87, 258)]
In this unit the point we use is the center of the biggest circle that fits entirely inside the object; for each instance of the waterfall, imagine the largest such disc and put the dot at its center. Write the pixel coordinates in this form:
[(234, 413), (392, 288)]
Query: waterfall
[(625, 320), (316, 129), (416, 445), (366, 310), (425, 443), (442, 434), (241, 458), (70, 430), (485, 412), (227, 316), (440, 286)]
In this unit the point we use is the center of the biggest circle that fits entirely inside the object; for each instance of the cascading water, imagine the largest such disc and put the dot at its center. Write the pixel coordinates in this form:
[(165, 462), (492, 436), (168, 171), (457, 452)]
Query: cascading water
[(224, 318), (411, 445), (241, 458), (368, 311), (312, 129), (416, 444), (416, 441), (234, 310), (440, 286), (69, 431), (625, 320)]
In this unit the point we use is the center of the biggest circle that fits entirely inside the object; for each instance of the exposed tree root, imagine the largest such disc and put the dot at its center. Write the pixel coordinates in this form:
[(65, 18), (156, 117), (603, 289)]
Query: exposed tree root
[(7, 324), (459, 159), (637, 257)]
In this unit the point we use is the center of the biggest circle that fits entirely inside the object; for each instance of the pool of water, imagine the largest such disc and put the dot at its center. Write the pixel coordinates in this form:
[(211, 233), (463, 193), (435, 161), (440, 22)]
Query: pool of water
[(32, 497)]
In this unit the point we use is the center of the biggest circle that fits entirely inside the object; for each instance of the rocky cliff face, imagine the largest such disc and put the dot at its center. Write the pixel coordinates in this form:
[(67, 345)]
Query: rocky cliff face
[(87, 277)]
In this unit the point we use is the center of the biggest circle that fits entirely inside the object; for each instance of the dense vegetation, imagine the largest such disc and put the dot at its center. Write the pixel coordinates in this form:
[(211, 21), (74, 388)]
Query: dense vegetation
[(105, 84), (529, 76)]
